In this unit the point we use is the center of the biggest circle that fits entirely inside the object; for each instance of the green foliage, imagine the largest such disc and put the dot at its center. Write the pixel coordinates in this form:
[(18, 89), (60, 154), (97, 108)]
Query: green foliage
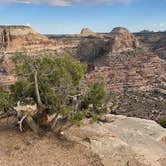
[(59, 79), (96, 99), (162, 122), (4, 100), (96, 93), (21, 90)]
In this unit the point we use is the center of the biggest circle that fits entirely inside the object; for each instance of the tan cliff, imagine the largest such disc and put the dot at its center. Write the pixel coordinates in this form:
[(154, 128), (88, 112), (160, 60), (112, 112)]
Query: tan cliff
[(87, 32), (24, 38), (122, 40), (16, 38)]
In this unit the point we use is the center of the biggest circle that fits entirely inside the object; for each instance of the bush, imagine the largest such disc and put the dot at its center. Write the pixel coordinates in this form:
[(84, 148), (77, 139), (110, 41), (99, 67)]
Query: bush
[(162, 122), (4, 100), (55, 85)]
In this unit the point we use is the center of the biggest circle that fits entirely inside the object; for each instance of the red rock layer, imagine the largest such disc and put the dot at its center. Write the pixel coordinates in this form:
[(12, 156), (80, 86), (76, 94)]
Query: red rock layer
[(141, 72)]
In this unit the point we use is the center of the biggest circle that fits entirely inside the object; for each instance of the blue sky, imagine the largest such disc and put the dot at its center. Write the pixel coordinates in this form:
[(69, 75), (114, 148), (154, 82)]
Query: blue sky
[(69, 16)]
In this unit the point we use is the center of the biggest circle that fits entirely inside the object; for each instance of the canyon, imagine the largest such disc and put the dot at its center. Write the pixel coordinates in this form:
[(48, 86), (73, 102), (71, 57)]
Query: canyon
[(133, 67), (127, 62)]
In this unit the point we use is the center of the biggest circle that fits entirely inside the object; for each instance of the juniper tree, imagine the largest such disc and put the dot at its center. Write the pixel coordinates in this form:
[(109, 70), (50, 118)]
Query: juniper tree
[(56, 86)]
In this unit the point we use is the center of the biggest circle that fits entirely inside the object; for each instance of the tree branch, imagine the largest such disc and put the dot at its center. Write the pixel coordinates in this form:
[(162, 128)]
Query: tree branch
[(37, 90)]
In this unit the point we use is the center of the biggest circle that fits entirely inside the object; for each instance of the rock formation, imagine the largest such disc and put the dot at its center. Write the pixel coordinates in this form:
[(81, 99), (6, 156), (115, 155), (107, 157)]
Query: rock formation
[(130, 71), (21, 38), (154, 41), (87, 32), (90, 49), (17, 30), (6, 66), (122, 40), (124, 141), (119, 40), (148, 105)]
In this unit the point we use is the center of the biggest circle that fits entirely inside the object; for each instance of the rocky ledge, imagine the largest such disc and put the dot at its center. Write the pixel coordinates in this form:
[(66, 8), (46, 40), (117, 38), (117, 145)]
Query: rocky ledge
[(123, 141)]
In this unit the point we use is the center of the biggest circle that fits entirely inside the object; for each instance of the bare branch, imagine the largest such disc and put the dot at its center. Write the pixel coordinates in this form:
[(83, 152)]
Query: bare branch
[(37, 90), (21, 121)]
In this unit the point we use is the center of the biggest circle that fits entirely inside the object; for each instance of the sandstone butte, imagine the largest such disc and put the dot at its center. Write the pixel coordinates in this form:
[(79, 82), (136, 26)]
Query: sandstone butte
[(87, 32), (24, 38)]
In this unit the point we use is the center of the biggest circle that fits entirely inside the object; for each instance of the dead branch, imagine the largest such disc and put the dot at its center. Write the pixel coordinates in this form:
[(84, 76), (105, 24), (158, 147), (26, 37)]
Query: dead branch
[(21, 121), (54, 121), (7, 115)]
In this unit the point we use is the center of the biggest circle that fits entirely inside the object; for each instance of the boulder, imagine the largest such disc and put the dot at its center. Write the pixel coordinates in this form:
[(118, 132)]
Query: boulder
[(124, 141)]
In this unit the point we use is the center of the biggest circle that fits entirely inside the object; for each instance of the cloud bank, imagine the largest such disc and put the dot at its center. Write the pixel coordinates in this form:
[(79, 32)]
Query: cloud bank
[(66, 2)]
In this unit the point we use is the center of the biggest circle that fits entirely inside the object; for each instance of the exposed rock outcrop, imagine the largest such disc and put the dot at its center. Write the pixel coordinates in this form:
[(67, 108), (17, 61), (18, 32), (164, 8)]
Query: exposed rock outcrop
[(122, 40), (130, 71), (6, 66), (119, 40), (87, 32), (123, 141), (91, 49), (18, 38), (148, 105)]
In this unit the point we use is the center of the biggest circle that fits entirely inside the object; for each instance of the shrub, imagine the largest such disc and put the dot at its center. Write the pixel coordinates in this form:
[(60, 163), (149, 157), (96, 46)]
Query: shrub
[(4, 100), (162, 122), (55, 85)]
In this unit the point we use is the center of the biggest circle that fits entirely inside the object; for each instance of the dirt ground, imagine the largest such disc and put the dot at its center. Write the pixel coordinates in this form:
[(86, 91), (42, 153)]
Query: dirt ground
[(27, 149)]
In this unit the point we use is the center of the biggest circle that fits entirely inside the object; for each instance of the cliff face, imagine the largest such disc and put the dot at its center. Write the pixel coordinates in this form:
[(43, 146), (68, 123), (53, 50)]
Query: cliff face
[(19, 38), (139, 78), (119, 40), (17, 30), (154, 41), (130, 71)]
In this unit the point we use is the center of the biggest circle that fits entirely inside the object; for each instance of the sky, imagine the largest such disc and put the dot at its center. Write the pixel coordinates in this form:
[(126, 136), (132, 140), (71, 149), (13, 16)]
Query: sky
[(70, 16)]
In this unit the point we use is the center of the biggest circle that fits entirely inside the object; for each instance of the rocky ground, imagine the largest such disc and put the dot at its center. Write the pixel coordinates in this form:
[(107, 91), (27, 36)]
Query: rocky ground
[(147, 105), (114, 141), (18, 149), (123, 141)]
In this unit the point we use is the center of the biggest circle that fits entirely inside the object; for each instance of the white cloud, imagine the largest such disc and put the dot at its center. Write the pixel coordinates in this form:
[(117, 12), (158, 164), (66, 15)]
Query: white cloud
[(66, 2), (160, 25)]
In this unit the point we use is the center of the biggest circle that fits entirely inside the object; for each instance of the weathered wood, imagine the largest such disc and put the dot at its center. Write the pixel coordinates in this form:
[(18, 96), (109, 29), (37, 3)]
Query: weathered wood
[(21, 122), (26, 113), (54, 121), (37, 90), (32, 124)]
